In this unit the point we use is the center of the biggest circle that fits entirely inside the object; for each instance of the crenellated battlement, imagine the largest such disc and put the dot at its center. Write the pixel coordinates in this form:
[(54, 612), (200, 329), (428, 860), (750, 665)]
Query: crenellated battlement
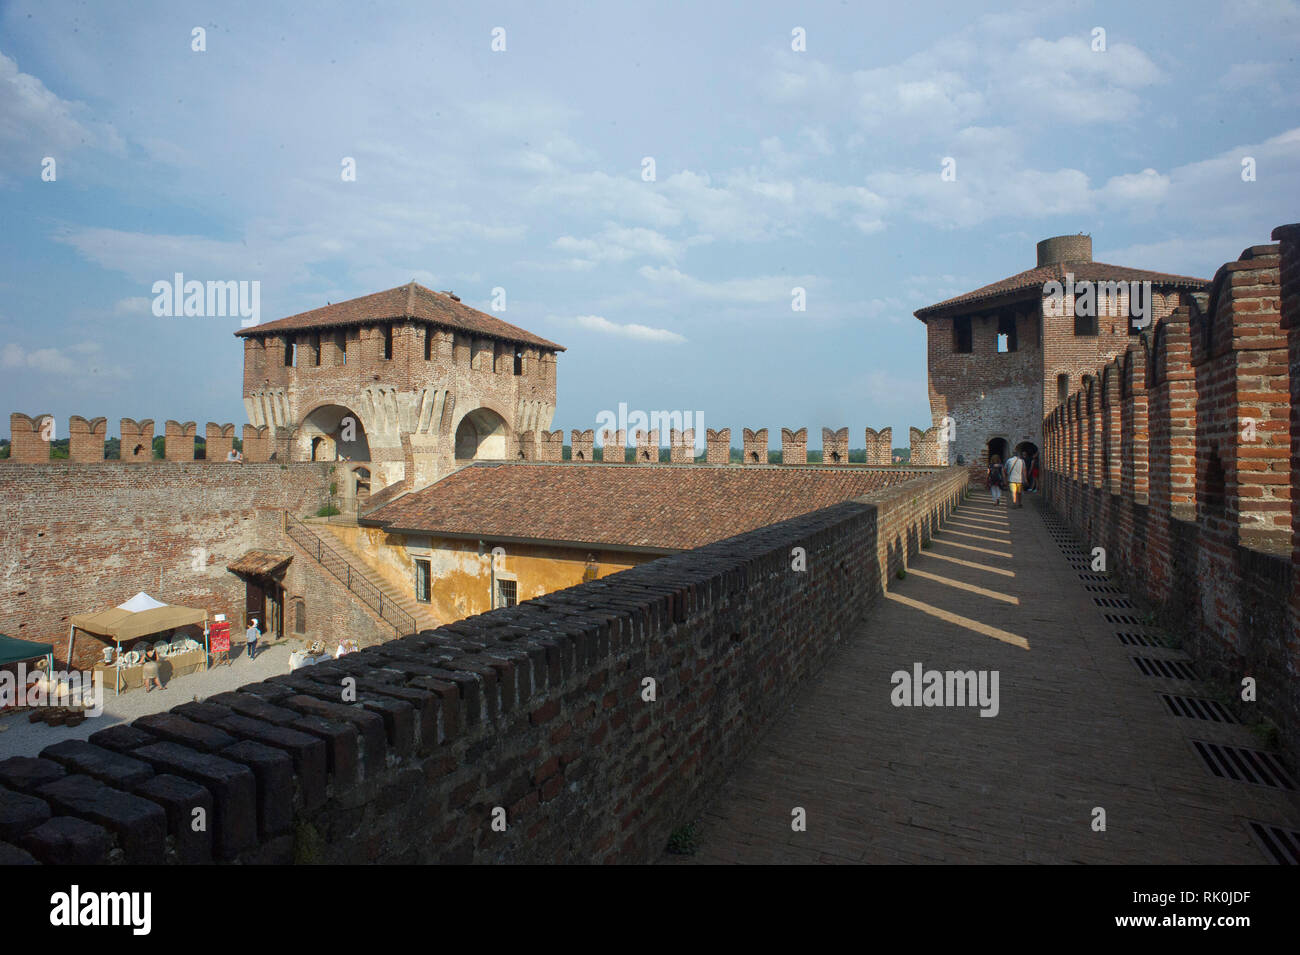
[(1178, 459), (548, 446), (31, 438)]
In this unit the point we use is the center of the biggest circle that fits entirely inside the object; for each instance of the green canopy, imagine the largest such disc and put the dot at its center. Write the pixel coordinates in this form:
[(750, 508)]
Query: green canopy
[(13, 650)]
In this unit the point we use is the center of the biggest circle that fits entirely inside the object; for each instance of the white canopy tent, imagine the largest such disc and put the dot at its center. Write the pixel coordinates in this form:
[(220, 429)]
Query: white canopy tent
[(140, 616)]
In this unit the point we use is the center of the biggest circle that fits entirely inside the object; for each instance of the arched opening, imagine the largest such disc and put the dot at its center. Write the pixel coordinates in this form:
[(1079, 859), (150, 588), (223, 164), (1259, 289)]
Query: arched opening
[(1027, 449), (333, 433), (481, 436), (997, 446), (362, 487)]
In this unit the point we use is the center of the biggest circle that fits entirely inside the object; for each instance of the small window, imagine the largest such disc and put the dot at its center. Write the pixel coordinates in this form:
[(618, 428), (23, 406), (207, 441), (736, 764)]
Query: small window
[(1062, 388), (289, 356), (1007, 334), (428, 344), (422, 581), (343, 347), (507, 593), (519, 361), (1085, 326), (961, 335), (316, 350), (388, 342), (299, 616)]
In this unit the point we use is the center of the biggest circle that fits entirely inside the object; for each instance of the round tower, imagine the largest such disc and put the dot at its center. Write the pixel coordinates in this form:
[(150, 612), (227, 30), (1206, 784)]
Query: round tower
[(1065, 248)]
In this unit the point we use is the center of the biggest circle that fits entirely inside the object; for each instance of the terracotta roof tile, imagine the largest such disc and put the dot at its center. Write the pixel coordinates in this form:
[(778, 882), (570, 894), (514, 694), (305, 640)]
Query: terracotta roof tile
[(410, 301), (661, 507), (1036, 278), (259, 563)]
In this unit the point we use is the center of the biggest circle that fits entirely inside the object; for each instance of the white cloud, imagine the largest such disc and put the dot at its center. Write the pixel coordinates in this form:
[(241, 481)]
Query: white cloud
[(762, 290), (135, 305), (48, 360), (617, 244), (643, 333), (36, 122)]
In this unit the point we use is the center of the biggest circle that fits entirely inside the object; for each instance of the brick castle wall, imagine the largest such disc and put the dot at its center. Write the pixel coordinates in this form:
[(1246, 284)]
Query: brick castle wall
[(535, 717), (79, 538), (1199, 515)]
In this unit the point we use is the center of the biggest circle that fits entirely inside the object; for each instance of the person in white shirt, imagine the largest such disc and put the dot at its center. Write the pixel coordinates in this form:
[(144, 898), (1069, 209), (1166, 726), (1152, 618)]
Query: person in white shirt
[(1016, 478)]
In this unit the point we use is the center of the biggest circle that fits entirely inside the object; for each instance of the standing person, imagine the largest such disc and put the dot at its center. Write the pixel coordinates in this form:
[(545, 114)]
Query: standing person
[(1016, 478), (1033, 473), (250, 636), (151, 670), (994, 480)]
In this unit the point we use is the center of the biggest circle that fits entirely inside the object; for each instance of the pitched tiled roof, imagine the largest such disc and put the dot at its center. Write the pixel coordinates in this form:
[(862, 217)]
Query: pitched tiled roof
[(1035, 279), (409, 301), (658, 507), (259, 563)]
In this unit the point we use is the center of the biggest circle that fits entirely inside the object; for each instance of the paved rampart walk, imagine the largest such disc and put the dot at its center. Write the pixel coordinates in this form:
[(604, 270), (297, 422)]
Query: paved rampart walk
[(1078, 728)]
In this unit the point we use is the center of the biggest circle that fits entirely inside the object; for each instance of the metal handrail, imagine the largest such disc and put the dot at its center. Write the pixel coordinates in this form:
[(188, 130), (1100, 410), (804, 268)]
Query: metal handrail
[(342, 568)]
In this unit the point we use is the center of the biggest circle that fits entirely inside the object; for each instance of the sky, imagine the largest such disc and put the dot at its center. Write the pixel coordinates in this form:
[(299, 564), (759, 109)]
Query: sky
[(648, 183)]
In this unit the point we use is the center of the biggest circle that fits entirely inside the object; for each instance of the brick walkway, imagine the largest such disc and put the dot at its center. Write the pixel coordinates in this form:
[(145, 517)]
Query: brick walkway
[(1079, 727)]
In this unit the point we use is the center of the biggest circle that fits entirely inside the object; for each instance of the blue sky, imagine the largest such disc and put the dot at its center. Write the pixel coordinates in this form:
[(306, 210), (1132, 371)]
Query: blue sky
[(522, 169)]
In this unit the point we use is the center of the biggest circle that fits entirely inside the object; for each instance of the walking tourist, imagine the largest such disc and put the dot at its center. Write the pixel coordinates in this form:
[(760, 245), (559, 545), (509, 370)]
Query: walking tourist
[(1016, 478), (994, 481), (250, 636)]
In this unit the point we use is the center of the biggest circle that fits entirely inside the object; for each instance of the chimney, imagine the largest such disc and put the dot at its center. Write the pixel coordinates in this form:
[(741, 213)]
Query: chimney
[(1065, 248)]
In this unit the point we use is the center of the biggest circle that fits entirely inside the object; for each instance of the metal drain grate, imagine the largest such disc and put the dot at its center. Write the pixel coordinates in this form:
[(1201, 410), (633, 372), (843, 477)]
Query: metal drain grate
[(1280, 845), (1139, 640), (1198, 708), (1243, 765), (1167, 669), (1123, 618)]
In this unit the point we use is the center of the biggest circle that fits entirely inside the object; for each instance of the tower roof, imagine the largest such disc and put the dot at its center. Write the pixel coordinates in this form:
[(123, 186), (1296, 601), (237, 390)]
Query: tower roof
[(1020, 285), (412, 302)]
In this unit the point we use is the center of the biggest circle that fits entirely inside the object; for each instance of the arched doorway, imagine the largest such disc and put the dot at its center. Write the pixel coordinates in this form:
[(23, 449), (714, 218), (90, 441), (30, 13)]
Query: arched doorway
[(481, 436), (362, 487), (1027, 450), (334, 433), (997, 446)]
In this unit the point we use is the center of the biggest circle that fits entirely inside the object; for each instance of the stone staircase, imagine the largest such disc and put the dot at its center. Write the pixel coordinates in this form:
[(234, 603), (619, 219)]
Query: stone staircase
[(403, 614), (420, 613)]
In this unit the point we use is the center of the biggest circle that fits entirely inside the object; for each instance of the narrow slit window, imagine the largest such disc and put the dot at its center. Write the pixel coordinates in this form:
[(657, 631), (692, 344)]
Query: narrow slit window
[(961, 335)]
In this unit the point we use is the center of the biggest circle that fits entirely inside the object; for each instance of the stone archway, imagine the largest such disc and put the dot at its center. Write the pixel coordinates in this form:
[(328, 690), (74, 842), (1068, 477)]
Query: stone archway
[(481, 436), (332, 433), (996, 446)]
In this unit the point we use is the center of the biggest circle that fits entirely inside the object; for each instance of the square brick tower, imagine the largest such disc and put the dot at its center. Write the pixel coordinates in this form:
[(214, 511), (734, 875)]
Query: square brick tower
[(1002, 357), (409, 381)]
